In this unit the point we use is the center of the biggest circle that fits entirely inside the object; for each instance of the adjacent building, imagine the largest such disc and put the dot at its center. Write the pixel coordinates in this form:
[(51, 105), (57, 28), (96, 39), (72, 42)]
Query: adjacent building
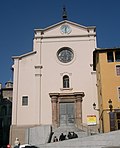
[(106, 62), (5, 112), (7, 91), (55, 83)]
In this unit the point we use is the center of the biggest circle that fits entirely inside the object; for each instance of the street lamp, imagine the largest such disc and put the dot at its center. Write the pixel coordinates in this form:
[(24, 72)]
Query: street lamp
[(94, 107), (110, 105), (102, 111)]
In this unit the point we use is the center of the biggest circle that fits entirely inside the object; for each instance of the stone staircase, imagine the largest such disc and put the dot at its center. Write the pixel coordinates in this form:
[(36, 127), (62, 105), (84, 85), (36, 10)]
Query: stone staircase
[(87, 138), (106, 140), (66, 129)]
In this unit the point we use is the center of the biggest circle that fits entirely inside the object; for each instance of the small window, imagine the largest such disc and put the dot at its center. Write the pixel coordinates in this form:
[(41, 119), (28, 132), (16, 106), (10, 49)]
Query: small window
[(117, 56), (25, 100), (118, 115), (118, 70), (118, 93), (110, 57), (65, 81)]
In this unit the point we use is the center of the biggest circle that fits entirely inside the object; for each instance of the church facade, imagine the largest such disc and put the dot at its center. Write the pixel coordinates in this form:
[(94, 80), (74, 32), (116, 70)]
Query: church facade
[(55, 83)]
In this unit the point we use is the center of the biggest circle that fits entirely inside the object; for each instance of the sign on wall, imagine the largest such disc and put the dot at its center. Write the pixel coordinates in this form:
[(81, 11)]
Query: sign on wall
[(91, 120)]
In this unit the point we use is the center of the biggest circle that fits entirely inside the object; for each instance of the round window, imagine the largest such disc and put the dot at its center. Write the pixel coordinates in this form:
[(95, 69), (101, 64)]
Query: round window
[(65, 54)]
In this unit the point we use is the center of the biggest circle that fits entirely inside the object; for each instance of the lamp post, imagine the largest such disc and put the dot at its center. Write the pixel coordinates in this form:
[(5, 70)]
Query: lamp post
[(101, 111), (110, 105), (94, 107), (111, 116), (97, 109)]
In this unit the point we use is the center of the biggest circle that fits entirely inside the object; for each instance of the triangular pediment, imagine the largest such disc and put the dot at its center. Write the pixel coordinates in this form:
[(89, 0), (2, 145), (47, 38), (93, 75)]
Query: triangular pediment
[(76, 29)]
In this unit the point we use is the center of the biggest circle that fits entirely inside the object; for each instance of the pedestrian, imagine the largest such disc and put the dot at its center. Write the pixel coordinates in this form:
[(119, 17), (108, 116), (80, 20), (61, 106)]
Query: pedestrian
[(16, 143), (62, 137), (75, 135), (69, 135), (55, 139)]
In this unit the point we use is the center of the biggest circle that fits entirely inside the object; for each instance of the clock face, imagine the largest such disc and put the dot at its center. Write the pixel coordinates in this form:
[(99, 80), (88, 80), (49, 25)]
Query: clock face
[(65, 55), (65, 29)]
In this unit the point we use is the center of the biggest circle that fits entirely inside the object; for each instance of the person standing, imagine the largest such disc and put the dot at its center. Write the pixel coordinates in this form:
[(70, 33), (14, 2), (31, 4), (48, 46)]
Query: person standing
[(16, 143)]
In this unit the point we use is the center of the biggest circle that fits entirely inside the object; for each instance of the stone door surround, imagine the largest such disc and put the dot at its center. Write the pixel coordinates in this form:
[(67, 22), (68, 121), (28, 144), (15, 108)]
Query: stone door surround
[(75, 97)]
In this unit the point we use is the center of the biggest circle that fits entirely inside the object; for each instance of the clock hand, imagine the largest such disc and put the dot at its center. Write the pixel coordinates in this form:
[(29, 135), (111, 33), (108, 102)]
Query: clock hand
[(65, 29)]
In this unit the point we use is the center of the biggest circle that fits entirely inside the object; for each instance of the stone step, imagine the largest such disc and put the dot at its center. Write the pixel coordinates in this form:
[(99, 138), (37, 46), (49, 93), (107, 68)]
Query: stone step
[(106, 140), (65, 130)]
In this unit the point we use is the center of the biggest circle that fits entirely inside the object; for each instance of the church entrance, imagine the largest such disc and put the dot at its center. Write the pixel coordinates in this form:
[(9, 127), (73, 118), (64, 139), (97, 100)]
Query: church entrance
[(66, 109), (67, 115)]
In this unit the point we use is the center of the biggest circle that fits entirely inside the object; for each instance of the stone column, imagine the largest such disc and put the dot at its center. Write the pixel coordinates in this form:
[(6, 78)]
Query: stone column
[(54, 100), (78, 104)]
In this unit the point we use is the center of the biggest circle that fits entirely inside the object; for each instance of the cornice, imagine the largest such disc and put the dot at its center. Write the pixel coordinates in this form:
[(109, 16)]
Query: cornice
[(24, 55)]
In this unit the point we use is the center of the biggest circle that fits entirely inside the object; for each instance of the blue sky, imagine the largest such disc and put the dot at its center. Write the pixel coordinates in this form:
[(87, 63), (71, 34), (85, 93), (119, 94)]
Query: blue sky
[(18, 19)]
